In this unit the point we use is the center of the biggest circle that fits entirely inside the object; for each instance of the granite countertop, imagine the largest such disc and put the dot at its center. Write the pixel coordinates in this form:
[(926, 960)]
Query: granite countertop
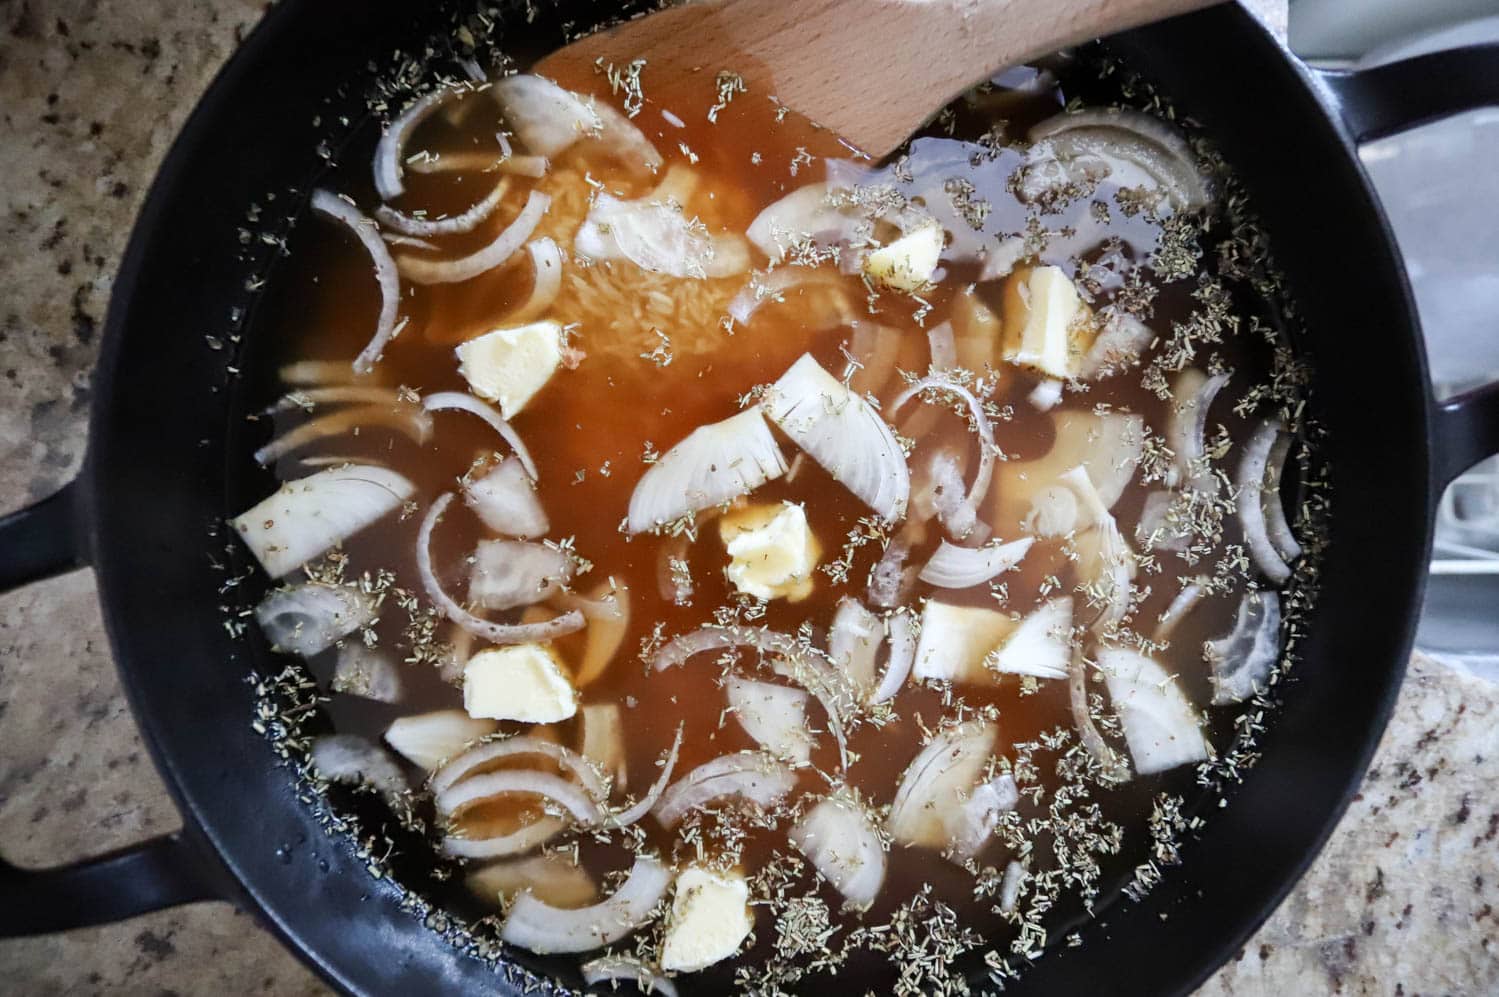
[(1403, 900)]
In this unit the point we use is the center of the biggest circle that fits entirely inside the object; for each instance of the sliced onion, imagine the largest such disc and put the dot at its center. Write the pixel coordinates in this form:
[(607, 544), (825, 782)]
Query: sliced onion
[(963, 520), (954, 567), (901, 632), (608, 614), (538, 832), (975, 820), (1243, 658), (1276, 524), (475, 758), (854, 642), (773, 715), (1121, 342), (546, 265), (1111, 767), (496, 633), (510, 573), (943, 347), (308, 619), (1105, 556), (1249, 483), (602, 740), (657, 237), (367, 672), (308, 517), (505, 500), (840, 839), (875, 349), (613, 969), (352, 759), (1186, 600), (1109, 444), (390, 150), (504, 782), (307, 373), (461, 401), (550, 876), (548, 120), (644, 805), (938, 781), (714, 464), (338, 394), (465, 221), (1040, 646), (544, 929), (1046, 396), (843, 433), (772, 285), (675, 586), (1009, 887), (891, 578), (428, 740), (1161, 727), (1133, 147), (404, 418), (745, 775), (386, 274), (1158, 528), (1192, 394), (478, 162), (806, 214), (409, 241), (504, 246)]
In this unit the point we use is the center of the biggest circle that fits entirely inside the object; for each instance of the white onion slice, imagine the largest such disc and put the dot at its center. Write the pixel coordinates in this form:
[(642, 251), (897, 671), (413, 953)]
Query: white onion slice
[(854, 642), (843, 433), (516, 842), (806, 214), (974, 822), (938, 781), (473, 759), (601, 740), (608, 613), (308, 517), (461, 401), (613, 969), (308, 373), (428, 740), (713, 464), (504, 782), (1040, 645), (1276, 524), (1105, 556), (1133, 146), (367, 672), (1161, 727), (943, 346), (1249, 483), (1046, 396), (1121, 342), (1159, 527), (308, 619), (1009, 887), (901, 632), (404, 418), (497, 633), (549, 876), (465, 221), (658, 237), (772, 285), (954, 567), (1112, 768), (963, 520), (545, 929), (505, 574), (1192, 394), (386, 273), (875, 349), (747, 775), (478, 162), (349, 758), (773, 715), (644, 805), (840, 839), (1243, 658), (504, 246), (1185, 601), (505, 500), (409, 241), (338, 394), (546, 282), (548, 120), (390, 150), (891, 578)]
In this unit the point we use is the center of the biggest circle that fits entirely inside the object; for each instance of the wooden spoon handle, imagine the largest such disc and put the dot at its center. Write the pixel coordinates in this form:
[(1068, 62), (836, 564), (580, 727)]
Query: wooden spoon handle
[(871, 70)]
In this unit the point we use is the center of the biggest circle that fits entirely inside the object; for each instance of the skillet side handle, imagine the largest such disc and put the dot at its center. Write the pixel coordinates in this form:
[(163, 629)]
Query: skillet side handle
[(1464, 432), (41, 541), (1402, 95)]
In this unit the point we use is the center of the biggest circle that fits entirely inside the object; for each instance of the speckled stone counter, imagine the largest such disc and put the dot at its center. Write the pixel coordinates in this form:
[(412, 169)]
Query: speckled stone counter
[(1403, 901)]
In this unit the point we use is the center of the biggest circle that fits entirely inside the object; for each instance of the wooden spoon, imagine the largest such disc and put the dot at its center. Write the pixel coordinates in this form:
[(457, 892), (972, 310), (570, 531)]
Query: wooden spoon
[(873, 71)]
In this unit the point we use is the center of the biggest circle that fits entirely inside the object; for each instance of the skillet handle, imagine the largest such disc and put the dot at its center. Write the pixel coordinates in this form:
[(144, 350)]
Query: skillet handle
[(36, 543), (1395, 97)]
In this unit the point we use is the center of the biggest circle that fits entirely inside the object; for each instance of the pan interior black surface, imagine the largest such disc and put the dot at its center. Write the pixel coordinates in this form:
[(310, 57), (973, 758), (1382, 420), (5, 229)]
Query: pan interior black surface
[(186, 676)]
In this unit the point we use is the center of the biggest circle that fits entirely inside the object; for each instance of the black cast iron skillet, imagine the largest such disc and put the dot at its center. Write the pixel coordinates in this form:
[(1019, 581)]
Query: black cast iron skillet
[(162, 459)]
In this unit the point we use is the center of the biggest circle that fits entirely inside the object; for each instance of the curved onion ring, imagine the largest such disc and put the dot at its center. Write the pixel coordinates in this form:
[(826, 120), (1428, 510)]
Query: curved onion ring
[(644, 805), (749, 775), (538, 832), (504, 246), (495, 633), (305, 373), (402, 417), (392, 144), (955, 567), (462, 401), (546, 265), (842, 843), (386, 274), (608, 619), (465, 221), (1275, 510), (901, 633), (1191, 397), (478, 162), (1112, 767), (538, 926), (478, 788), (338, 394), (963, 518), (1249, 483), (1152, 146), (1186, 600), (765, 287), (612, 969), (481, 754)]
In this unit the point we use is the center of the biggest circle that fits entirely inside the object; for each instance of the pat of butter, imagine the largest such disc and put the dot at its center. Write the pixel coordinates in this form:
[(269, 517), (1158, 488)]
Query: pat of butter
[(908, 263), (522, 682), (772, 551), (710, 919), (509, 366), (1047, 325)]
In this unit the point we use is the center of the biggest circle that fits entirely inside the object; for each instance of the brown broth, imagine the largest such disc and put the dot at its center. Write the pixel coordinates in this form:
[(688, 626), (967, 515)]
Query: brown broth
[(589, 427)]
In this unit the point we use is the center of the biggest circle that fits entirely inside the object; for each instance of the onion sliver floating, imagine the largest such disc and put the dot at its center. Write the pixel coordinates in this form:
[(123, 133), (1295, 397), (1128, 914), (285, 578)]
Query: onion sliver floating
[(746, 775), (386, 273), (545, 929)]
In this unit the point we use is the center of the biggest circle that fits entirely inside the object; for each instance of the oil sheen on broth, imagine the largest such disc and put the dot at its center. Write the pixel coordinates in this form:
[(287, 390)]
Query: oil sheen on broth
[(1020, 404)]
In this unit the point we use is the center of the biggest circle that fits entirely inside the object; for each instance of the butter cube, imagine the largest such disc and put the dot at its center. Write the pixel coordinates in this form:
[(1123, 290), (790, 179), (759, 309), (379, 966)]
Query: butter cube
[(1047, 326), (508, 366), (710, 918), (772, 551), (524, 682), (908, 263)]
